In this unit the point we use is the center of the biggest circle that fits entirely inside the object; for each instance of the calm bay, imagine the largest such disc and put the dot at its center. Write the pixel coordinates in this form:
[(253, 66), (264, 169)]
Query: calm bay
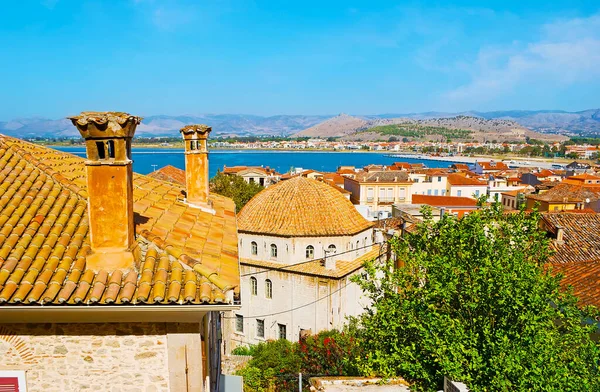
[(147, 160)]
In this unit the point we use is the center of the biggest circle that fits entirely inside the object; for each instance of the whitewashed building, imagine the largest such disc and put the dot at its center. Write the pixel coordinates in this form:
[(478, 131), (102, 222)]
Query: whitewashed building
[(300, 241)]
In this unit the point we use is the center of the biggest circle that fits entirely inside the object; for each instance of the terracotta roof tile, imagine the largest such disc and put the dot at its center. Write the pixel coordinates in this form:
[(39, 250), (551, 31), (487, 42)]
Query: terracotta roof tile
[(170, 174), (581, 236), (461, 180), (444, 201), (44, 238), (301, 207)]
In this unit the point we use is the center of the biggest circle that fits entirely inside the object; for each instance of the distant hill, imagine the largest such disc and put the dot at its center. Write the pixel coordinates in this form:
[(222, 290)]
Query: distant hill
[(160, 125), (340, 125), (459, 128), (584, 123)]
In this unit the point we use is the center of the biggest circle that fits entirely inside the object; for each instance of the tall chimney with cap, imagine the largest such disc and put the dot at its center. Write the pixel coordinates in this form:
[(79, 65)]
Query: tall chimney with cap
[(110, 186), (196, 164)]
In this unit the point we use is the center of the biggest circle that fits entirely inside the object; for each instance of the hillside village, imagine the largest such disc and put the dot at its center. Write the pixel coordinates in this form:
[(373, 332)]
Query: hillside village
[(157, 269)]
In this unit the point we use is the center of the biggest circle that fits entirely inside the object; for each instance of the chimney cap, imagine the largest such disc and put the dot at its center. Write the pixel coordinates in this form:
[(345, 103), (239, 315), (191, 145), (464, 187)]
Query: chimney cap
[(201, 129), (105, 124)]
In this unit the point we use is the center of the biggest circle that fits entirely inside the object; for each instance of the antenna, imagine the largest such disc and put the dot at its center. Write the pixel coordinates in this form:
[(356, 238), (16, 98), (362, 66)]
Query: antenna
[(153, 167)]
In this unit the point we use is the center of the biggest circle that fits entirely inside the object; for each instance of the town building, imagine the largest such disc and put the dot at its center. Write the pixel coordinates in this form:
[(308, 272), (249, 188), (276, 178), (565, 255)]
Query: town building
[(264, 176), (377, 191), (110, 280), (461, 185), (455, 205), (513, 200), (429, 182), (566, 196), (300, 242), (488, 167)]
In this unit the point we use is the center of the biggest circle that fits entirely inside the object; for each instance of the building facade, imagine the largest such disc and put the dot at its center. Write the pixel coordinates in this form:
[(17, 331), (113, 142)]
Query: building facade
[(300, 242), (111, 280)]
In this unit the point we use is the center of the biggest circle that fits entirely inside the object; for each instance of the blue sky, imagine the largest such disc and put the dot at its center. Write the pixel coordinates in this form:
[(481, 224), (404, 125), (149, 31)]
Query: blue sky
[(58, 57)]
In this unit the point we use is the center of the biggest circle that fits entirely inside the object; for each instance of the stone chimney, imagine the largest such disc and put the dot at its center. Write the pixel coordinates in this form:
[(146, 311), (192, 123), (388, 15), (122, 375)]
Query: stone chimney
[(560, 235), (196, 165), (109, 186)]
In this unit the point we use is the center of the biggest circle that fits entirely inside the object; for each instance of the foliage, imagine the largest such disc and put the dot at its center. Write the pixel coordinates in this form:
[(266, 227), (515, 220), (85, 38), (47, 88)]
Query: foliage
[(328, 353), (420, 131), (234, 187), (472, 301), (244, 350), (276, 363)]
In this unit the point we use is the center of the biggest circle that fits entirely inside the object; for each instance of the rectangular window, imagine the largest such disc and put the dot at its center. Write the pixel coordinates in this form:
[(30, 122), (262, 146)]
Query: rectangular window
[(390, 194), (435, 192), (477, 193), (239, 323), (440, 179), (370, 194), (459, 193), (402, 193), (443, 192), (282, 331), (260, 328), (381, 194), (429, 191), (12, 381)]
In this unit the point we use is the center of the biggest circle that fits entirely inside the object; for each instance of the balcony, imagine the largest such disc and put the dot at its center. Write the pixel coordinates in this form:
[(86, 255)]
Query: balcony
[(386, 200)]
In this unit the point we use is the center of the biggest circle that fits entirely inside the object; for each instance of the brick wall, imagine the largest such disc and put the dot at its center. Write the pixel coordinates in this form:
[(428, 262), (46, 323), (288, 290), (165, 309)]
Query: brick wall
[(122, 357)]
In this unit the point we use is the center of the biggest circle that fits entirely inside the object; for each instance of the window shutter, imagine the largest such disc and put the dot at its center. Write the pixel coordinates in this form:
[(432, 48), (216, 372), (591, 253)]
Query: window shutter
[(9, 384)]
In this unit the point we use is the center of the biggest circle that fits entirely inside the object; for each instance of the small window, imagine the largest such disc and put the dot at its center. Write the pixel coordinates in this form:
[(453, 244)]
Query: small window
[(253, 286), (440, 179), (111, 148), (459, 193), (429, 191), (239, 323), (331, 248), (310, 252), (477, 192), (260, 328), (435, 192), (282, 331), (101, 150), (357, 245), (268, 289), (273, 250), (254, 248)]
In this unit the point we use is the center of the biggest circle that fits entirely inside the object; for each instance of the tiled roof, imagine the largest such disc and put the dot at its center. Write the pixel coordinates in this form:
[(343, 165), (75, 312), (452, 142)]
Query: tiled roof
[(584, 277), (460, 180), (183, 255), (382, 176), (460, 166), (444, 201), (301, 207), (170, 174), (493, 165), (316, 268), (581, 236), (240, 169), (568, 193)]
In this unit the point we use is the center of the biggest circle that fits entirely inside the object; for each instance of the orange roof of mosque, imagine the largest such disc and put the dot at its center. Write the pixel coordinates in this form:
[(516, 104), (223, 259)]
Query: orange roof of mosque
[(301, 207)]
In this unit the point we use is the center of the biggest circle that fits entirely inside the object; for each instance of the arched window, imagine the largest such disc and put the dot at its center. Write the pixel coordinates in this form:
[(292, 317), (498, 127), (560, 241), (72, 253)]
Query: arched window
[(331, 248), (273, 250), (268, 289), (253, 286), (357, 245), (254, 248), (310, 252)]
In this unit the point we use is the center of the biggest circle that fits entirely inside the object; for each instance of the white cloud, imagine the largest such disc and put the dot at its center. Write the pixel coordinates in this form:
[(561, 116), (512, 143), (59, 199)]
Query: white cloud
[(568, 52)]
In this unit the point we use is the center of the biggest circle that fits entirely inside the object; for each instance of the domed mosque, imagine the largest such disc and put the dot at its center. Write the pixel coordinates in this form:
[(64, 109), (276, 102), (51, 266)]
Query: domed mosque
[(300, 241)]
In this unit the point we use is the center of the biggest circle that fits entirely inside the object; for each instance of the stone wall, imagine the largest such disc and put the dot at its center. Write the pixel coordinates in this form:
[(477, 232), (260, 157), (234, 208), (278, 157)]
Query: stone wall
[(122, 357)]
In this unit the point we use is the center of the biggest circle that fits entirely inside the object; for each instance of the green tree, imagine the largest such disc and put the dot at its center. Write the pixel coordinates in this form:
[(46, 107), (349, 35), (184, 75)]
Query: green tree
[(234, 187), (572, 155), (472, 301)]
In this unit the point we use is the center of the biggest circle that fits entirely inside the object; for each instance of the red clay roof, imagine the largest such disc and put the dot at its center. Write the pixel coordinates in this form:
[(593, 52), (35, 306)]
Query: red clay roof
[(170, 174), (493, 165), (583, 277), (460, 180), (444, 201), (183, 254)]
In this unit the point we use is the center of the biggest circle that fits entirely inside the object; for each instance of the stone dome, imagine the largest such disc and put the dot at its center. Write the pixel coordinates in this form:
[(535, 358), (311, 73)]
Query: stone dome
[(301, 207)]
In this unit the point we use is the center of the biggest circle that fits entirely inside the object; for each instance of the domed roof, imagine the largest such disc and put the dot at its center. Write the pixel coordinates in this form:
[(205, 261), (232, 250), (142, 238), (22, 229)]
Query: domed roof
[(301, 207)]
